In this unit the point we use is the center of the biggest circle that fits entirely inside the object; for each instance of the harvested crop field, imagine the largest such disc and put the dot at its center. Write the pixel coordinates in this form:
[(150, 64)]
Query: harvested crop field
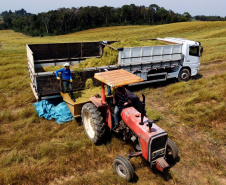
[(38, 151)]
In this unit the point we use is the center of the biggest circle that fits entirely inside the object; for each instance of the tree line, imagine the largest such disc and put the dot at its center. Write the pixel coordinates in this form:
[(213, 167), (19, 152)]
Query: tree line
[(209, 18), (68, 20)]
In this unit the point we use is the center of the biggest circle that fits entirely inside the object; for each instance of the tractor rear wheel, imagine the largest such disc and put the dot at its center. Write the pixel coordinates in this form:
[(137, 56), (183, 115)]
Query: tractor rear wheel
[(93, 123), (123, 168), (171, 149)]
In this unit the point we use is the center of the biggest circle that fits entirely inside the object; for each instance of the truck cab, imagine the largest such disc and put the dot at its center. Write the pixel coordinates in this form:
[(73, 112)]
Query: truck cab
[(192, 52)]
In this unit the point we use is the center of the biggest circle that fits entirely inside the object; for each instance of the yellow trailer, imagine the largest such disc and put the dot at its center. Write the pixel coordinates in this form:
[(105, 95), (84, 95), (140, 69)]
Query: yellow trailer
[(113, 78), (74, 107)]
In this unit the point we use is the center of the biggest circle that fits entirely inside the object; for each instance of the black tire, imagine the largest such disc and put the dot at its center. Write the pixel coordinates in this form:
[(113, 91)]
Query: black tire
[(171, 149), (123, 168), (93, 123), (184, 75)]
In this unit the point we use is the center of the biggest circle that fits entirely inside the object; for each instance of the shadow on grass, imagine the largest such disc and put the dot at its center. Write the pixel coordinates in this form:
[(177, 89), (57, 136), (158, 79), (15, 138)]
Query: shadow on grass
[(172, 161), (166, 174), (135, 178), (108, 134), (159, 84), (79, 120), (55, 101), (152, 85), (196, 77)]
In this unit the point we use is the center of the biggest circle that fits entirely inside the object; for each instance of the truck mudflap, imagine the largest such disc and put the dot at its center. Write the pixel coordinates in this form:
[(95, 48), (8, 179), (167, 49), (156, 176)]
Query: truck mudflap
[(161, 164)]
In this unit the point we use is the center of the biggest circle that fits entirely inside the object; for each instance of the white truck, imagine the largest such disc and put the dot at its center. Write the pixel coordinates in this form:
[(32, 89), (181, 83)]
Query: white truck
[(180, 59)]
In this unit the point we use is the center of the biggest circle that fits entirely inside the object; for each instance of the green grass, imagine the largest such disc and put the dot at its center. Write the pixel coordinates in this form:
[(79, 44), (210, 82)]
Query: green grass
[(38, 151), (201, 103)]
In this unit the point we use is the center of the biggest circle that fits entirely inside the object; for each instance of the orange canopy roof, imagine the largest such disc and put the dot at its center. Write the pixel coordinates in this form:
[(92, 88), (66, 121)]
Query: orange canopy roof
[(116, 78)]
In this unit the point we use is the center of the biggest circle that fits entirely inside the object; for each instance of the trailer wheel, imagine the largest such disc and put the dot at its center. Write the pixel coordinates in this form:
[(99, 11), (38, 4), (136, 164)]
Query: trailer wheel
[(171, 149), (93, 123), (184, 75), (123, 168)]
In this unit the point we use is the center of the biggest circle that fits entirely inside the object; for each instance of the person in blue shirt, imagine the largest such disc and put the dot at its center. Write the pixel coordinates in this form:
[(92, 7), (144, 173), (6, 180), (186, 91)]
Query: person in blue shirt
[(67, 79)]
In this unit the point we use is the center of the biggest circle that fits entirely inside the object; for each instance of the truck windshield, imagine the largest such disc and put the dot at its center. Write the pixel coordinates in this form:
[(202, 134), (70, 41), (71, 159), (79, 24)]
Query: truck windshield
[(194, 51)]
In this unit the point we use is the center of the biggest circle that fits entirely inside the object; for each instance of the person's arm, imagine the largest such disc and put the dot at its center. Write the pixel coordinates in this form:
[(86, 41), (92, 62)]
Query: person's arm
[(70, 75), (127, 99), (128, 102), (57, 71)]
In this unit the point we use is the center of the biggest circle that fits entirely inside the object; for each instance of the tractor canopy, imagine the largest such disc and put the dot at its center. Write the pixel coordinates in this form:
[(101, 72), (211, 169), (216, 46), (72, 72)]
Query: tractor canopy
[(117, 78)]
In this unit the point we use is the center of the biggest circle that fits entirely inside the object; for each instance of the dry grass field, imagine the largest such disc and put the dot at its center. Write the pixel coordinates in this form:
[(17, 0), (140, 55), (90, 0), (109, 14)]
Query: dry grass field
[(38, 151)]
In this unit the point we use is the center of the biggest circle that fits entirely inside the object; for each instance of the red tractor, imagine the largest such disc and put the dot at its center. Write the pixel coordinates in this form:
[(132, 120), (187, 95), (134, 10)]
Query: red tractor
[(150, 141)]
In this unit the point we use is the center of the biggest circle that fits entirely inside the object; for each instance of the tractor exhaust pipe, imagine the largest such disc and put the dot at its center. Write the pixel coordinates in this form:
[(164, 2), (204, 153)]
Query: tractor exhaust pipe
[(142, 110)]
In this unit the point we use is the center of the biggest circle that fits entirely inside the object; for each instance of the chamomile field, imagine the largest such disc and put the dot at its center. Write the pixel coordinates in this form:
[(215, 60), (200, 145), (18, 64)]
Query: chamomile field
[(34, 150)]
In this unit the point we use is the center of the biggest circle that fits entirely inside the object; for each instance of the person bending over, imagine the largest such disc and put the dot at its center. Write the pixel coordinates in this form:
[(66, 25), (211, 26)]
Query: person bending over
[(121, 100)]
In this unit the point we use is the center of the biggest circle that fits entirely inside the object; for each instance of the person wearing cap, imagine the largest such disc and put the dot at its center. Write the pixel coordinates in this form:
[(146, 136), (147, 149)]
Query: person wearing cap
[(67, 79)]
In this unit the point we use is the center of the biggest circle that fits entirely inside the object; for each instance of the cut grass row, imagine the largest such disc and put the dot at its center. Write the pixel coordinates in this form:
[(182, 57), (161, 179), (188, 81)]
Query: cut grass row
[(201, 104)]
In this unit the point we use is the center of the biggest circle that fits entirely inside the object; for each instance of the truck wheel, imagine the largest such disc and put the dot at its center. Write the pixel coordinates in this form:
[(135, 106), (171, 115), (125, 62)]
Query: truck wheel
[(93, 123), (123, 168), (171, 149), (184, 75)]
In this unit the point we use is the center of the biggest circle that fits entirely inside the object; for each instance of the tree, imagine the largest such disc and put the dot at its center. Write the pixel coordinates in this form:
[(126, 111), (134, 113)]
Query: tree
[(154, 10), (67, 20), (45, 20), (187, 15), (21, 12)]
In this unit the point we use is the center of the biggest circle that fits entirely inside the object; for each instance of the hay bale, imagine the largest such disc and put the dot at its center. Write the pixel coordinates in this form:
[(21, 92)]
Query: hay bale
[(89, 83)]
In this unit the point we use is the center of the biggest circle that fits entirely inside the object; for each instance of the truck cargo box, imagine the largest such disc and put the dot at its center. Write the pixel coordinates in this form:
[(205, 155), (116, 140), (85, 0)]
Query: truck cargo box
[(44, 55)]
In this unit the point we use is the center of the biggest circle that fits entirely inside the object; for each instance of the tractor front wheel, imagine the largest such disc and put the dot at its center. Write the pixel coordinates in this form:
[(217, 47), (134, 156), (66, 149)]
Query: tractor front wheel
[(123, 168), (171, 149), (93, 123)]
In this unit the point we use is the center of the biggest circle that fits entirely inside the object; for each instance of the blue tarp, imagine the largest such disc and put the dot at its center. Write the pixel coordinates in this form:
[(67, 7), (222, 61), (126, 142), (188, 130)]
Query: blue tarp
[(60, 112)]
